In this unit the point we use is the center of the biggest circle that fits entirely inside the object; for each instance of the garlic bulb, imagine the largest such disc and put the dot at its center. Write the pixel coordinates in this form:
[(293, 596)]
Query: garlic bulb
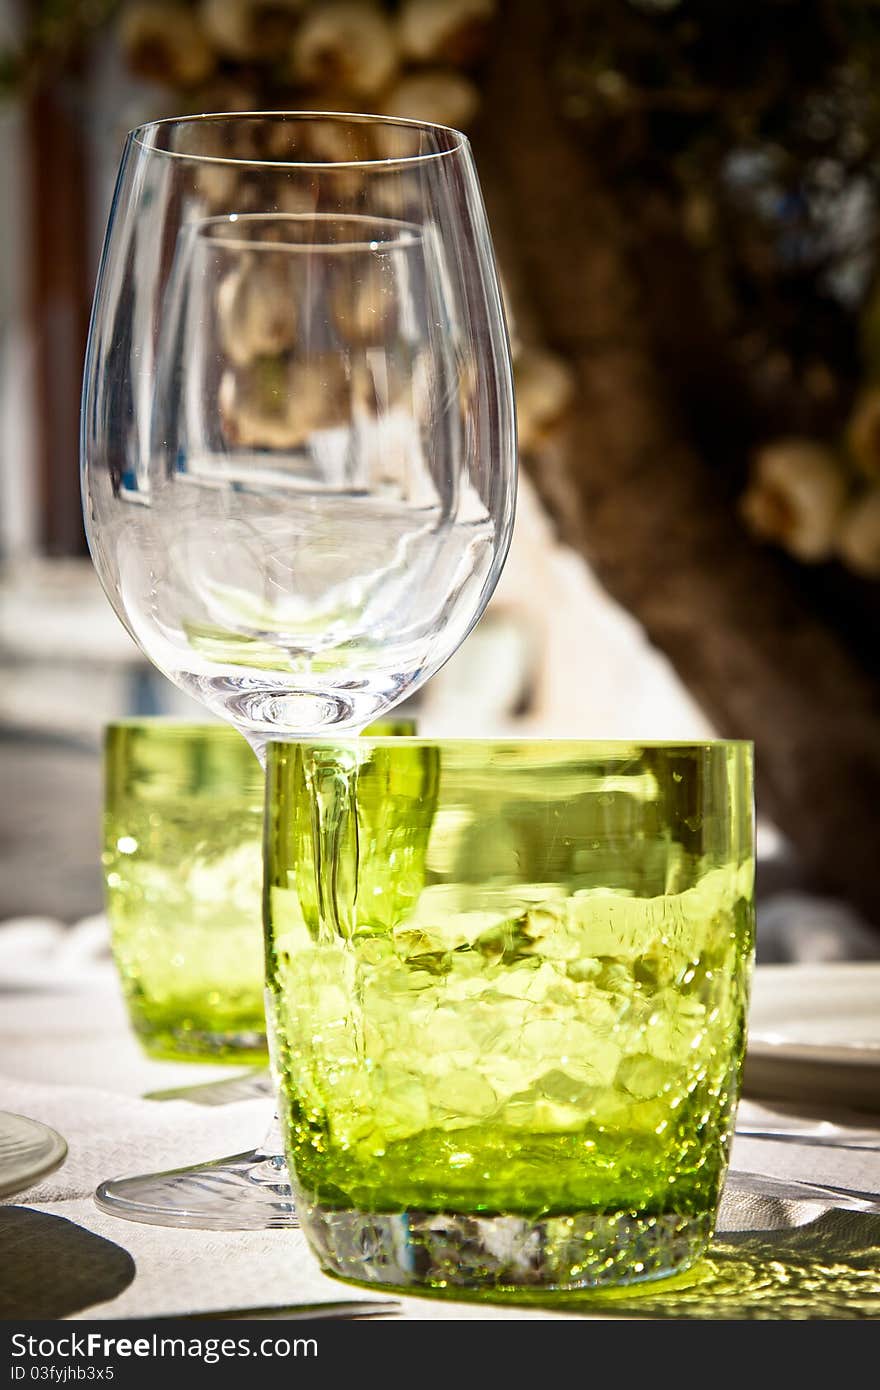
[(218, 184), (215, 176), (444, 31), (277, 404), (363, 305), (383, 384), (165, 43), (349, 45), (858, 540), (292, 195), (227, 93), (545, 388), (863, 435), (317, 141), (340, 143), (228, 25), (795, 498), (395, 196), (445, 98), (257, 309), (248, 29)]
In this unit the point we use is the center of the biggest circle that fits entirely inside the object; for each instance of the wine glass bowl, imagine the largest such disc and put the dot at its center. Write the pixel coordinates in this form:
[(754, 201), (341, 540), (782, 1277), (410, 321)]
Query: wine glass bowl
[(298, 431), (298, 449)]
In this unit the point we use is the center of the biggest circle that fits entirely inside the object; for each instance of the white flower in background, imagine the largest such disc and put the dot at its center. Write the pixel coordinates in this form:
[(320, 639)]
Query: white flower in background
[(445, 98), (165, 43), (444, 31), (858, 540), (545, 388), (257, 310), (556, 656), (248, 29), (350, 46), (795, 498)]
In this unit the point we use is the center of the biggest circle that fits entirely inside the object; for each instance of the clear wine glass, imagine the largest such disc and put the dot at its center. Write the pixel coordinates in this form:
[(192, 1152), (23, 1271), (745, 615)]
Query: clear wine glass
[(298, 446)]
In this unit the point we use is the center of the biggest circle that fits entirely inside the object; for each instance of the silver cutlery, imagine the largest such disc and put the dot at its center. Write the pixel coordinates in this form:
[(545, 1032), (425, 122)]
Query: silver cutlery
[(816, 1137), (740, 1180), (250, 1085), (306, 1312)]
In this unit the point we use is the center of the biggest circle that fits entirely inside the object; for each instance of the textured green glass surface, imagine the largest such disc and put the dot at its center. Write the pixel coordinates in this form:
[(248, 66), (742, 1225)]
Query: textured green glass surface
[(182, 873), (510, 980), (183, 831)]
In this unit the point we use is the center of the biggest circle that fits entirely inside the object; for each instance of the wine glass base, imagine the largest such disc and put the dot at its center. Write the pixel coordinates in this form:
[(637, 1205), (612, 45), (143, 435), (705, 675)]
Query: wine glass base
[(246, 1192)]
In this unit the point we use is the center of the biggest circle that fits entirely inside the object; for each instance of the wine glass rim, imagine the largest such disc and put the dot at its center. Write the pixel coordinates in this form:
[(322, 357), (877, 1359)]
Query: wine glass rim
[(141, 134), (234, 219)]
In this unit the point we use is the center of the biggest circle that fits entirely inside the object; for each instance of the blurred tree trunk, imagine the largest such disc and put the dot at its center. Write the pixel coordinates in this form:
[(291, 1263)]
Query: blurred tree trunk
[(653, 514)]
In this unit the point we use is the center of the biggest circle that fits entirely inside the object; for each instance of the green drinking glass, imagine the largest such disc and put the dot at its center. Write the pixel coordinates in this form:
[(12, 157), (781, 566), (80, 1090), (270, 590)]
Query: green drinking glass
[(183, 867), (507, 987)]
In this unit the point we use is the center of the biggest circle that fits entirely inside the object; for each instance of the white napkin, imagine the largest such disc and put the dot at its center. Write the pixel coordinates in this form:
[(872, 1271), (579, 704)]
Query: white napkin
[(62, 1017), (111, 1135)]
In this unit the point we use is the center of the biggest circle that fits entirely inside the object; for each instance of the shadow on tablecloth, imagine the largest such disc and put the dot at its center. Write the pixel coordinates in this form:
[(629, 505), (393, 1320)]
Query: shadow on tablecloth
[(792, 1262), (52, 1267)]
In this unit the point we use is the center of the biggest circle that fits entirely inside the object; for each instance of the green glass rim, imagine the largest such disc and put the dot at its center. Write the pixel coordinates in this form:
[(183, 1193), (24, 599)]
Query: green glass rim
[(587, 746)]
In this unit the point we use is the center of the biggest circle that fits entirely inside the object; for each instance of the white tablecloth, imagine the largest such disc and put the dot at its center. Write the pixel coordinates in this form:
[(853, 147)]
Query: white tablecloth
[(67, 1058)]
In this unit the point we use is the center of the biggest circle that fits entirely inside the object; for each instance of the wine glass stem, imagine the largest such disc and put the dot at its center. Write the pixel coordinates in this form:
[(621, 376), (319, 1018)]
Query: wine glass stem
[(259, 743), (272, 1148)]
